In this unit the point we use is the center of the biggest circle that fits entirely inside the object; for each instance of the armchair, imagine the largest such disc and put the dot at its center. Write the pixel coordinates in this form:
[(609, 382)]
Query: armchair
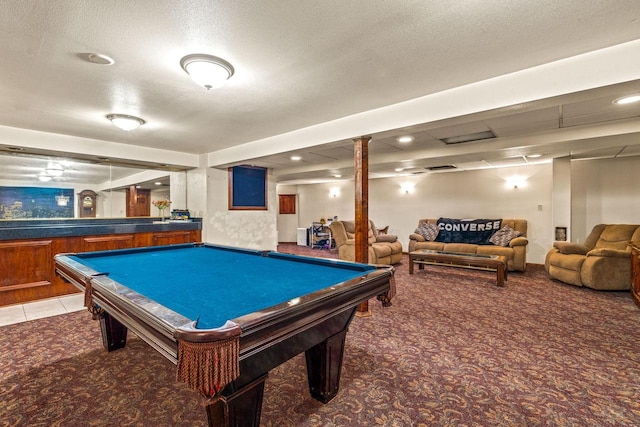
[(383, 248), (602, 262)]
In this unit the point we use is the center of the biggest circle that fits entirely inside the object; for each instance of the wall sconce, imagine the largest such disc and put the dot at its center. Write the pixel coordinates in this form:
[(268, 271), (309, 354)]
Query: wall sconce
[(334, 192), (407, 187), (516, 182)]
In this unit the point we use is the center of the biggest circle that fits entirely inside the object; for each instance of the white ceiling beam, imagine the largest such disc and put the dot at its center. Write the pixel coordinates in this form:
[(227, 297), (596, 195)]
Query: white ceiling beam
[(613, 65)]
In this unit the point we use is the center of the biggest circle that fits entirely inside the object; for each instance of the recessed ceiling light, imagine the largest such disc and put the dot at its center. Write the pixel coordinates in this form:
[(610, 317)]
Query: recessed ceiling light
[(295, 158), (398, 169), (157, 183), (627, 100), (206, 70), (405, 139), (125, 121), (534, 156), (337, 175)]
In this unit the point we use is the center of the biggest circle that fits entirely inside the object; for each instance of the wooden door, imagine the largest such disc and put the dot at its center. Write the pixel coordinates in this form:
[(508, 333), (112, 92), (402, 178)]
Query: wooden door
[(138, 202)]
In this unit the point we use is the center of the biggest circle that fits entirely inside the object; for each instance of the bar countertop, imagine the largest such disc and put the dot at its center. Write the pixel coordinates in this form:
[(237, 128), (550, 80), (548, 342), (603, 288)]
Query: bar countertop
[(48, 228)]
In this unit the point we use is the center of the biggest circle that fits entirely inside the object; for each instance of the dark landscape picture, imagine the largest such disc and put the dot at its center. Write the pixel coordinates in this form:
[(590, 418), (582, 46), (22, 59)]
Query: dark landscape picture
[(36, 202)]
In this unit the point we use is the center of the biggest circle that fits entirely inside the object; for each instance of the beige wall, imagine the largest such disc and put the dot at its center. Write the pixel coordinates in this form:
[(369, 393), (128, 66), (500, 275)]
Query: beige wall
[(603, 191), (245, 229)]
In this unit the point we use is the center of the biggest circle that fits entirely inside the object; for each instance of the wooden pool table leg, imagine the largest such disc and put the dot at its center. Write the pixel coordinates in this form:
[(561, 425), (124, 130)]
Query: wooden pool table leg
[(114, 333), (242, 408), (324, 365)]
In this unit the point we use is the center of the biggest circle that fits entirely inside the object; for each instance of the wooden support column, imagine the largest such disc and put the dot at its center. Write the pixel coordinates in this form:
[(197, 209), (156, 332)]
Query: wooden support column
[(361, 171)]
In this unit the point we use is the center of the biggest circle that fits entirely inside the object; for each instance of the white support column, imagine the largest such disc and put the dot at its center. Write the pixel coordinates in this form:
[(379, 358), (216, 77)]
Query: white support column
[(561, 197)]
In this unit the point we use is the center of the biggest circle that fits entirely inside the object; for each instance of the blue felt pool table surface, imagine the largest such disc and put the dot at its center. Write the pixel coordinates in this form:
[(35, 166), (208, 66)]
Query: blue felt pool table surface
[(214, 284)]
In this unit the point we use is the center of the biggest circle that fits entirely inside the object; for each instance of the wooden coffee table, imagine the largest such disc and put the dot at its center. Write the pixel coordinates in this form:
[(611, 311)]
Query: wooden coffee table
[(497, 263)]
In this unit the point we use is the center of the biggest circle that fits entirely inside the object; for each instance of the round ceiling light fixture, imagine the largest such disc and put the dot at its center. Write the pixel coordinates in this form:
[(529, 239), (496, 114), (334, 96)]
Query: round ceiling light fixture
[(125, 121), (208, 71), (54, 169)]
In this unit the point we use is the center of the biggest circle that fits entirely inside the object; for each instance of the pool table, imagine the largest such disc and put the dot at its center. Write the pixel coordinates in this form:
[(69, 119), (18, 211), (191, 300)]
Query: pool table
[(227, 316)]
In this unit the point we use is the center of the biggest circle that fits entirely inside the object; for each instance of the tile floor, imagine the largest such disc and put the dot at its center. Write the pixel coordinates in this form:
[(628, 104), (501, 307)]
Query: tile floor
[(39, 309)]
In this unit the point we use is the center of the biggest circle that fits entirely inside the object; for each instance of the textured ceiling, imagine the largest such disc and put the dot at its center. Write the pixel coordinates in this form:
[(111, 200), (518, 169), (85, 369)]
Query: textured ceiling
[(300, 64)]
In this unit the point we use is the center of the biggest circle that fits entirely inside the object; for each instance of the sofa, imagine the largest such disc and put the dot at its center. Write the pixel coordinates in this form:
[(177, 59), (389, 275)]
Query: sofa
[(383, 248), (602, 262), (509, 235)]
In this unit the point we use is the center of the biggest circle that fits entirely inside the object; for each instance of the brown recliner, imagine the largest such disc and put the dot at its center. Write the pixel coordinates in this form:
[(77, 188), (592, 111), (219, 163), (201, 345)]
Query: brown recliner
[(602, 262), (383, 248)]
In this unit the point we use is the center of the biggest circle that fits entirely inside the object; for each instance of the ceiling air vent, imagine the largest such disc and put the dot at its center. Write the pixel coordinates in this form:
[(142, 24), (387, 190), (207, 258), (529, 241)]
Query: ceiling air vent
[(441, 168), (478, 136)]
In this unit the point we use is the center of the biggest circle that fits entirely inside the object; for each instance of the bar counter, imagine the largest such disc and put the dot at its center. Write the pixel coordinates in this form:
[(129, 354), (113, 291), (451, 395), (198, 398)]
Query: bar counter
[(27, 248)]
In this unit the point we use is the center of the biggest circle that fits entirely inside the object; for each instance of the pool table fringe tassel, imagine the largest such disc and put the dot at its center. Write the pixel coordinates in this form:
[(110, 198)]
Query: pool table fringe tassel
[(209, 366)]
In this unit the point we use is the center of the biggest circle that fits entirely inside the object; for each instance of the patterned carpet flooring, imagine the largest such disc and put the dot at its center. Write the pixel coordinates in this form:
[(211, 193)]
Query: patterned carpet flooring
[(452, 350)]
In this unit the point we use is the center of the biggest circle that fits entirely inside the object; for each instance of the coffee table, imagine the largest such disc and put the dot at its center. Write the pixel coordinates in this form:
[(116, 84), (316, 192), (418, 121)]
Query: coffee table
[(497, 263)]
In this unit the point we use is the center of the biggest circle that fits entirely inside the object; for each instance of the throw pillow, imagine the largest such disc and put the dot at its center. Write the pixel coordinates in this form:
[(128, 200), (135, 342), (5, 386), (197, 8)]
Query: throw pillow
[(503, 236), (428, 231)]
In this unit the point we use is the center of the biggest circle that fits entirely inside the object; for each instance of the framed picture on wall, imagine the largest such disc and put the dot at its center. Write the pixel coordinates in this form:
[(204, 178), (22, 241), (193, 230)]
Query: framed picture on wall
[(247, 188), (36, 202)]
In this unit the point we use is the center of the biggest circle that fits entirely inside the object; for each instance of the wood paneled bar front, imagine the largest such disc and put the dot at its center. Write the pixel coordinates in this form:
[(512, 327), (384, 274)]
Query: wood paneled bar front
[(27, 249)]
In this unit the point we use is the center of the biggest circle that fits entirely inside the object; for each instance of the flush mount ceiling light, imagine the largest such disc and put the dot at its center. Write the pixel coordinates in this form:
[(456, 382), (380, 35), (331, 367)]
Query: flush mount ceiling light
[(627, 100), (54, 169), (207, 70), (125, 122)]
